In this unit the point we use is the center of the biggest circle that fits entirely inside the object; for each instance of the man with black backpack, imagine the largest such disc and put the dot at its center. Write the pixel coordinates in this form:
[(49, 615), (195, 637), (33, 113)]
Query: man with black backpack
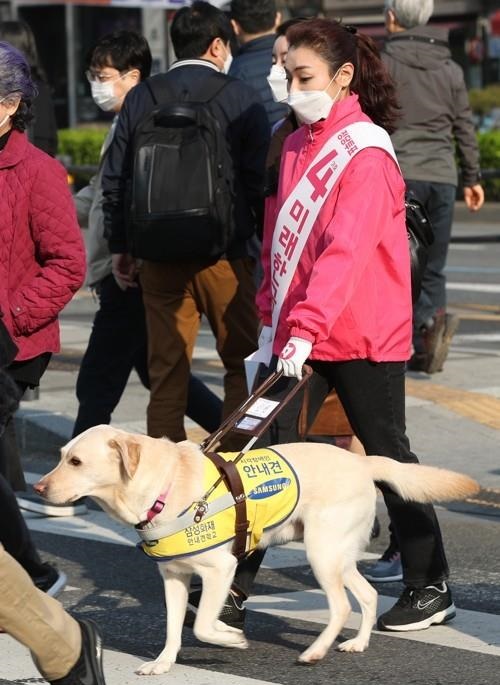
[(184, 175)]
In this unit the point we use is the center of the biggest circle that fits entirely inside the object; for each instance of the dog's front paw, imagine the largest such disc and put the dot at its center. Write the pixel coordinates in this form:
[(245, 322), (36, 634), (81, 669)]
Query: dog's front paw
[(220, 625), (156, 667), (354, 645), (312, 655)]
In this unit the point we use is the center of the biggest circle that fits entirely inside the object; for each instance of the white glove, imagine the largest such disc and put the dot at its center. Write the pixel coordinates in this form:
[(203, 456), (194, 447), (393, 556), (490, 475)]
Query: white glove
[(293, 356), (266, 336)]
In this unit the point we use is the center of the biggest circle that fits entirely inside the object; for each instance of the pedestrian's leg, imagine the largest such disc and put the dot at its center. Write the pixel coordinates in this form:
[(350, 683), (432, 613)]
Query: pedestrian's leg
[(373, 398), (226, 294), (38, 621), (433, 328), (15, 536), (203, 405), (439, 203), (283, 430), (10, 458), (172, 320), (118, 332)]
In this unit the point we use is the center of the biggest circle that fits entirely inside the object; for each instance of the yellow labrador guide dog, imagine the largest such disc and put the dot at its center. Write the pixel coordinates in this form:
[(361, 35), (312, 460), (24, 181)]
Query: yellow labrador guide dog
[(331, 507)]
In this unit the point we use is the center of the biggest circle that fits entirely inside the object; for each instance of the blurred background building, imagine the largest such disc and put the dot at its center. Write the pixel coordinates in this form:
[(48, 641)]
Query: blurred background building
[(66, 29)]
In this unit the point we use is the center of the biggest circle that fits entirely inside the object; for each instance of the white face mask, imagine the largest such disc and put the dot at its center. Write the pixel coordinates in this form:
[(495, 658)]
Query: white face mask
[(7, 116), (278, 83), (227, 62), (103, 94), (312, 105)]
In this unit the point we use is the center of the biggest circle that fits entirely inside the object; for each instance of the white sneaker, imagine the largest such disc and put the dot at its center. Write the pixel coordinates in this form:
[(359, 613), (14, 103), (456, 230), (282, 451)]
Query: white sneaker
[(35, 503)]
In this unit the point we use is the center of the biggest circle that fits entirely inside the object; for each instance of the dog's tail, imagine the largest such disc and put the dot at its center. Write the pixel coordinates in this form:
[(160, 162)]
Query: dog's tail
[(419, 483)]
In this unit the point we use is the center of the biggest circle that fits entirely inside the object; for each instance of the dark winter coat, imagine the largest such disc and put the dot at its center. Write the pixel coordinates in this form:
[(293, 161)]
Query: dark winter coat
[(252, 65), (243, 122)]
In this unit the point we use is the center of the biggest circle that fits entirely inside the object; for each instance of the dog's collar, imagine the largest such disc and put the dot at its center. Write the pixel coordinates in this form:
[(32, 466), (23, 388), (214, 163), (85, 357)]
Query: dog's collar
[(157, 507)]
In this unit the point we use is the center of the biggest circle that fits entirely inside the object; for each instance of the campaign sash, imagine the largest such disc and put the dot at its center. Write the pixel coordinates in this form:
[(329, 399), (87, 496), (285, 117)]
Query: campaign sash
[(300, 210)]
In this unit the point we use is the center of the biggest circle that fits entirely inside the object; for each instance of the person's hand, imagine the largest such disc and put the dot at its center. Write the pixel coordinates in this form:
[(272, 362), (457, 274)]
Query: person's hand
[(293, 357), (265, 337), (124, 268), (474, 197)]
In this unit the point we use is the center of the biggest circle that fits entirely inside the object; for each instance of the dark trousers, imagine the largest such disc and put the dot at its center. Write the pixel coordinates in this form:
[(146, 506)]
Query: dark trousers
[(439, 201), (373, 397), (14, 534), (117, 344), (10, 459)]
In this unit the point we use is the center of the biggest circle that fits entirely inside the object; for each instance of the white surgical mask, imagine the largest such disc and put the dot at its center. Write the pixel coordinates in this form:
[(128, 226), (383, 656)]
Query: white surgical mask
[(312, 105), (278, 83), (7, 116), (103, 94), (227, 62)]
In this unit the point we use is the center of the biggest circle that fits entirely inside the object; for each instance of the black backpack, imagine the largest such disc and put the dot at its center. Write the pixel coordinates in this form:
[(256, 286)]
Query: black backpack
[(420, 237), (182, 180)]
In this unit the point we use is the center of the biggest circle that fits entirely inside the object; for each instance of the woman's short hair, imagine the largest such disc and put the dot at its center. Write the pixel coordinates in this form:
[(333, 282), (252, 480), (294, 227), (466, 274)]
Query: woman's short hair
[(411, 13), (15, 81)]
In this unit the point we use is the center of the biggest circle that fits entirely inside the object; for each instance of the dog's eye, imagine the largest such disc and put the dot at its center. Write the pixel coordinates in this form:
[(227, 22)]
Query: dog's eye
[(74, 461)]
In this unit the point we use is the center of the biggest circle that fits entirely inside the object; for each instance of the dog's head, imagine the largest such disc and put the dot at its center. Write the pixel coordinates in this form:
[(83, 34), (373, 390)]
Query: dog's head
[(94, 463)]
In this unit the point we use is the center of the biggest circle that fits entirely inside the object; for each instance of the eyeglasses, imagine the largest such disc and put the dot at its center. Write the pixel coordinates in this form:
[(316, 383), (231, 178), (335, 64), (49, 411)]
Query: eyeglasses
[(93, 76)]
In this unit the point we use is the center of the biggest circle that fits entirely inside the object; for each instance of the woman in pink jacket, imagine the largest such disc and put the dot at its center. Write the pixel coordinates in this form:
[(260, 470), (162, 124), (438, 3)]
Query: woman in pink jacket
[(336, 290)]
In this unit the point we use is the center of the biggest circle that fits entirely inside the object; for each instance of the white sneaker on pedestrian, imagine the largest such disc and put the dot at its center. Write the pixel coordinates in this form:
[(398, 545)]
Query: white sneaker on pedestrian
[(37, 505), (52, 581)]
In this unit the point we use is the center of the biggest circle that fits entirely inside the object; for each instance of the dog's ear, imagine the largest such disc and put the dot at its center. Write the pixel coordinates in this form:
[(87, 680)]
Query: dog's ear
[(129, 451)]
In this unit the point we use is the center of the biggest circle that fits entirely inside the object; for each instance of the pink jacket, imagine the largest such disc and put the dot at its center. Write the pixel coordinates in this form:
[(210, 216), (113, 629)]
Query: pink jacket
[(42, 256), (351, 293)]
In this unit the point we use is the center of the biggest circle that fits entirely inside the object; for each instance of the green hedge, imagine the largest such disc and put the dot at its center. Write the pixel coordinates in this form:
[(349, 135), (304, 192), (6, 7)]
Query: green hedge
[(81, 146), (483, 100), (489, 147)]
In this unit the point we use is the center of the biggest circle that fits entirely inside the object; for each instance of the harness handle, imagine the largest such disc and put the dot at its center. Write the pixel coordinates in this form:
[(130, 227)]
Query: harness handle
[(244, 422)]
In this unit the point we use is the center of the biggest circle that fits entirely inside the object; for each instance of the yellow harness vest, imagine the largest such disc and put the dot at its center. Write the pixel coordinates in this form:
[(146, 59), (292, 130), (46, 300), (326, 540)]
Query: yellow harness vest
[(272, 492)]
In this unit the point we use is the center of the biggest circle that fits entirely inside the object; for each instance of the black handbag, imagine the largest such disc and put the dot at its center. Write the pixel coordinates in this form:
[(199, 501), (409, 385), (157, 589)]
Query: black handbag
[(420, 238)]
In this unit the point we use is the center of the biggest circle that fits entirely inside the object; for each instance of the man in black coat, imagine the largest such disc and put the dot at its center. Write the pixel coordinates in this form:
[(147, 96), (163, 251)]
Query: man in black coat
[(177, 294)]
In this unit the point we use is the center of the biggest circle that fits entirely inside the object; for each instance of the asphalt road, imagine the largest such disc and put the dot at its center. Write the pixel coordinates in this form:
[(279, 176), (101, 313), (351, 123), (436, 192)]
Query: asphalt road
[(453, 420)]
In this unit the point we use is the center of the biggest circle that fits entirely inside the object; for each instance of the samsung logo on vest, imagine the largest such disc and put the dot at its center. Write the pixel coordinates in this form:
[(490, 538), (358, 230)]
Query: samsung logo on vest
[(269, 488)]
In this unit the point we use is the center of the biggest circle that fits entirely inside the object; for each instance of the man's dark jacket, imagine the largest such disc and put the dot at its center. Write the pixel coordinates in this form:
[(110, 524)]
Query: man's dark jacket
[(435, 107), (252, 65), (244, 123)]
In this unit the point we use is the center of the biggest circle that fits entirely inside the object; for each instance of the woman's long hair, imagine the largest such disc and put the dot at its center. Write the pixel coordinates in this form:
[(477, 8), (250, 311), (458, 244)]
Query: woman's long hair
[(337, 44)]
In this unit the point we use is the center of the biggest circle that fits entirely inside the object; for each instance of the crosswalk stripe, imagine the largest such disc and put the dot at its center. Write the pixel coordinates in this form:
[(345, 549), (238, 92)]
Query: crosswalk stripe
[(118, 669), (473, 631), (474, 287)]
